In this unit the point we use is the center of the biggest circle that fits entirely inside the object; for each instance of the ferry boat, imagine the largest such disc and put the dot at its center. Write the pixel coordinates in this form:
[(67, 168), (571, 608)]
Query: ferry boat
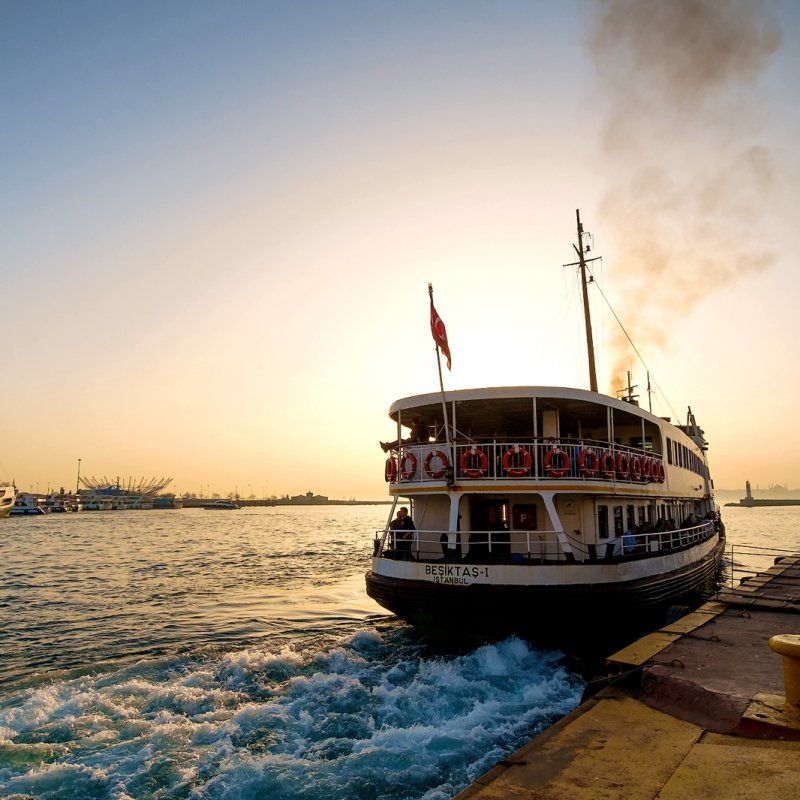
[(570, 517)]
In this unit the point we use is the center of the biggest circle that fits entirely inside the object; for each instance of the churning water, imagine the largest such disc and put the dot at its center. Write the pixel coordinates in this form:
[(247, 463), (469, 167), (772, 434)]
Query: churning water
[(196, 654)]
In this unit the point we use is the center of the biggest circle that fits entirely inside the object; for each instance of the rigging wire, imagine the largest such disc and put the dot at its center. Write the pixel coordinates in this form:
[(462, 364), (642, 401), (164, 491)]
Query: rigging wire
[(630, 341)]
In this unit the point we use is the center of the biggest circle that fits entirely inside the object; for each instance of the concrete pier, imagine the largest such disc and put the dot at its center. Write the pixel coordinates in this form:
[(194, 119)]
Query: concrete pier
[(697, 709)]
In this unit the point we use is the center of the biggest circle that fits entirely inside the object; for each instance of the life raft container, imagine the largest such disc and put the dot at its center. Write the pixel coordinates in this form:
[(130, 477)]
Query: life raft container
[(553, 470), (517, 461), (436, 474), (473, 463)]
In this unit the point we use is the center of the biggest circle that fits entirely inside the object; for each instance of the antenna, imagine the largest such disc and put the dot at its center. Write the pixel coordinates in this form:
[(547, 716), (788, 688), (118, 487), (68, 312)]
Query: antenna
[(581, 250)]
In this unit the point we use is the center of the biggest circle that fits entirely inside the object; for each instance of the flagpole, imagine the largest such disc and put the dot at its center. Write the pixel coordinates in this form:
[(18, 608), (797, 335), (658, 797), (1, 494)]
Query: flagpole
[(451, 471)]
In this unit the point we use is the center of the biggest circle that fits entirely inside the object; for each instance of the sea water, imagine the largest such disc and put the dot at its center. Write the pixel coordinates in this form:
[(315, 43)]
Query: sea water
[(197, 654)]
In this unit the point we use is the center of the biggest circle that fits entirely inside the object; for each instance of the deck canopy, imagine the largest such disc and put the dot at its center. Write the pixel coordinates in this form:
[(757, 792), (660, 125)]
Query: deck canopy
[(508, 412)]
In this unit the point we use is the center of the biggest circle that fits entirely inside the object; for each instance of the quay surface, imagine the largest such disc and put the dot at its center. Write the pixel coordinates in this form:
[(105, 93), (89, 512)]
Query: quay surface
[(694, 710)]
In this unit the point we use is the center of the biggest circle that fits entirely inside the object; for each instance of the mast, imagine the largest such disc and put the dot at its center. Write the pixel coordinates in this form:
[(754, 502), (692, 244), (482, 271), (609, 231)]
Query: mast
[(587, 318)]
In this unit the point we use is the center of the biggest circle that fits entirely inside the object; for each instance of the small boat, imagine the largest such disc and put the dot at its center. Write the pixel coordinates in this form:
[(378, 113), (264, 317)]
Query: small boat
[(8, 494), (567, 516), (26, 505), (62, 502), (224, 505)]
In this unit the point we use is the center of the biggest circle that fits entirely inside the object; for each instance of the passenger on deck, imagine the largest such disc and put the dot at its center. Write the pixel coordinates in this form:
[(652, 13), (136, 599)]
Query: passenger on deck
[(419, 433), (402, 527), (629, 540)]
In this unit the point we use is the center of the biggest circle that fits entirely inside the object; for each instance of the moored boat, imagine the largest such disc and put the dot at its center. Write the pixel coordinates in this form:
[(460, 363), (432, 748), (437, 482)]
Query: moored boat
[(8, 494), (565, 515), (26, 505)]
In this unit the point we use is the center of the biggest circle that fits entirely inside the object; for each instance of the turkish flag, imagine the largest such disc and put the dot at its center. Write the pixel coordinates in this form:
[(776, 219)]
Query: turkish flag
[(439, 333)]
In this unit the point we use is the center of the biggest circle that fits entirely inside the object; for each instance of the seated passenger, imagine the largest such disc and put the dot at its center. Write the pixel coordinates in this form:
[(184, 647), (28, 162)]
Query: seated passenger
[(419, 433), (402, 528)]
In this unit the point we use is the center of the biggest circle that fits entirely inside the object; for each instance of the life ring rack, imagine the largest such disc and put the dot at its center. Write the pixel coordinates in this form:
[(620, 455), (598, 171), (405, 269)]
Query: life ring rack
[(556, 471), (473, 463), (590, 469), (520, 469), (608, 464), (408, 466), (436, 474)]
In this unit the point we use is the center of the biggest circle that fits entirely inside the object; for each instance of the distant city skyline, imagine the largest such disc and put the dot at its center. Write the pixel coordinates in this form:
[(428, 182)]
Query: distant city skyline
[(221, 221)]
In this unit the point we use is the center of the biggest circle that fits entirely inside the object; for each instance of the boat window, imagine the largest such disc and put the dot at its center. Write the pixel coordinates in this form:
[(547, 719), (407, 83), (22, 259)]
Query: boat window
[(669, 450), (618, 525), (631, 516), (602, 522), (642, 515)]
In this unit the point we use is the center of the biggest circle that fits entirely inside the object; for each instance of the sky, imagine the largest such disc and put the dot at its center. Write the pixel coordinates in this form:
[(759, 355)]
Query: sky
[(220, 221)]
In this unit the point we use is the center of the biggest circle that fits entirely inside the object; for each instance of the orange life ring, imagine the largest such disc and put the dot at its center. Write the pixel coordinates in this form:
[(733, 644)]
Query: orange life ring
[(550, 469), (436, 474), (390, 470), (636, 468), (473, 463), (623, 465), (647, 468), (408, 466), (519, 469), (607, 464), (588, 470)]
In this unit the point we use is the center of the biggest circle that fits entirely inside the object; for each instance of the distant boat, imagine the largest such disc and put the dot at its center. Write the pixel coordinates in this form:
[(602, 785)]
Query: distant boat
[(61, 502), (8, 493), (26, 505), (223, 505)]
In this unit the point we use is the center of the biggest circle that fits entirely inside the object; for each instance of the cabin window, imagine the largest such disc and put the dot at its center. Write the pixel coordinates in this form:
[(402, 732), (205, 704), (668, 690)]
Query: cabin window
[(642, 515), (618, 521), (602, 522), (669, 450), (631, 516)]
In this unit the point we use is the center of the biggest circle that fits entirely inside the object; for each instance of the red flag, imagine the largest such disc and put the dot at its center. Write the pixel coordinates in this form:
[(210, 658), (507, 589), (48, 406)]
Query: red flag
[(439, 333)]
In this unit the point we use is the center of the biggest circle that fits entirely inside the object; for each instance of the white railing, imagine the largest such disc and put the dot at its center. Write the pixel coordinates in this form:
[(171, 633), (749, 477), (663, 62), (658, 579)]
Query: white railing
[(524, 460), (532, 547)]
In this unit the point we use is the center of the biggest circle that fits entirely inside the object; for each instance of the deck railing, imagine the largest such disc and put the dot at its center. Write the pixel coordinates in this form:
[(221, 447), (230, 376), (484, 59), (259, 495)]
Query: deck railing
[(524, 460), (533, 547)]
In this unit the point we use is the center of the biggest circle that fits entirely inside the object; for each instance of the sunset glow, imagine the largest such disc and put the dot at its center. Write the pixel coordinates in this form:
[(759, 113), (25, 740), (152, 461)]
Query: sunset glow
[(221, 221)]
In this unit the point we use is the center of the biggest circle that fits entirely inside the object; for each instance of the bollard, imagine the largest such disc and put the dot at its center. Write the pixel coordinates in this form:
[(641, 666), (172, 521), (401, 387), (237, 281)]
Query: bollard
[(788, 645)]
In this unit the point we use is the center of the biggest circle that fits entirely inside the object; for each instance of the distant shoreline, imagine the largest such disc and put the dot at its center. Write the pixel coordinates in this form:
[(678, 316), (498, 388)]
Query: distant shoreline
[(196, 502)]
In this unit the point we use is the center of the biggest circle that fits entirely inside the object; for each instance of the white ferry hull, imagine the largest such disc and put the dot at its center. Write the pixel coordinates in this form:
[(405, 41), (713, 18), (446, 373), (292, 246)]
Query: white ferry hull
[(571, 607)]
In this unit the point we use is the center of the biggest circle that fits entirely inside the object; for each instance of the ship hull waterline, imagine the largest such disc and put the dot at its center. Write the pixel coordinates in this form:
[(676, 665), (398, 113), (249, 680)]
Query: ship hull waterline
[(580, 618)]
